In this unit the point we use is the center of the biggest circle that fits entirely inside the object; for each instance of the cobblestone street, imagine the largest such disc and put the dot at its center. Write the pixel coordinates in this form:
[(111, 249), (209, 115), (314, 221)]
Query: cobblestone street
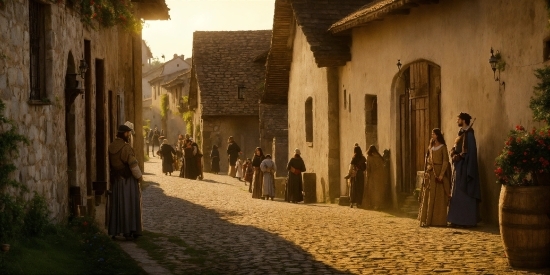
[(250, 236)]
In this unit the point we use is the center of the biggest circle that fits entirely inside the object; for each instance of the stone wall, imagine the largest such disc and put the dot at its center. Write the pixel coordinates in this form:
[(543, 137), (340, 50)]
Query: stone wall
[(274, 134), (216, 130), (43, 165)]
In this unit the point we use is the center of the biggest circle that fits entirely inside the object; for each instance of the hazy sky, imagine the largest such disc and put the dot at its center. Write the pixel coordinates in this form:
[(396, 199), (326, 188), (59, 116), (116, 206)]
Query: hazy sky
[(176, 35)]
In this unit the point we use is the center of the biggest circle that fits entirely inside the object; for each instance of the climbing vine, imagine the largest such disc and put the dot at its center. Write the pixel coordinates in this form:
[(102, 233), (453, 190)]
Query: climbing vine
[(187, 116), (164, 106), (106, 13)]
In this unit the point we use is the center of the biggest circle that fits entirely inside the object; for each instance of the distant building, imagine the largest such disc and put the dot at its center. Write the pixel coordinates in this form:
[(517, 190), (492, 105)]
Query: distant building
[(226, 82)]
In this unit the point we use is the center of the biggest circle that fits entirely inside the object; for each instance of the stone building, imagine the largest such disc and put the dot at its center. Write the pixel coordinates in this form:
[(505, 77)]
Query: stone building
[(444, 47), (226, 81), (171, 79), (69, 116)]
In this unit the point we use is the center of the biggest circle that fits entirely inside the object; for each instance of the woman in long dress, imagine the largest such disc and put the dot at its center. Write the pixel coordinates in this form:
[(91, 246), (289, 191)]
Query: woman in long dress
[(189, 154), (257, 177), (293, 189), (356, 174), (239, 168), (215, 159), (268, 168), (166, 152), (248, 173), (437, 184)]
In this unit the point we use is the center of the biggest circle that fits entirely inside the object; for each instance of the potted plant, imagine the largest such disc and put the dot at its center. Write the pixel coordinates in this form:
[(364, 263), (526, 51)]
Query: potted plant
[(523, 169)]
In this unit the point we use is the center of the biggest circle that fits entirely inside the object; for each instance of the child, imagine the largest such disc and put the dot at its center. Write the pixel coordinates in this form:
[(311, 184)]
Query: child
[(249, 173), (239, 167)]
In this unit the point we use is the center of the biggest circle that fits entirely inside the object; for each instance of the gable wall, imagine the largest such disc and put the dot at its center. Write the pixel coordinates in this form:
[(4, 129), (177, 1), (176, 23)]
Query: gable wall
[(457, 36), (306, 80)]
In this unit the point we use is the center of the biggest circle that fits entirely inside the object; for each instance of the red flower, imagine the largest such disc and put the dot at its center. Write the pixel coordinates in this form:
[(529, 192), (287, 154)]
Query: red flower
[(85, 223), (520, 128), (510, 153)]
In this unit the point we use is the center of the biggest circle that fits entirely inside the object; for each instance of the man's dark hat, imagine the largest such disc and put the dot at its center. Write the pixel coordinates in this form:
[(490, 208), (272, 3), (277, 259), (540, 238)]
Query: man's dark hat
[(464, 116), (124, 128)]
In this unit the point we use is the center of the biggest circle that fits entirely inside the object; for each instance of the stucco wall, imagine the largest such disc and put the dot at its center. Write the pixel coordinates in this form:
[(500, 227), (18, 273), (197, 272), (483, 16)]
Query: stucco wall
[(457, 36), (42, 166), (306, 80)]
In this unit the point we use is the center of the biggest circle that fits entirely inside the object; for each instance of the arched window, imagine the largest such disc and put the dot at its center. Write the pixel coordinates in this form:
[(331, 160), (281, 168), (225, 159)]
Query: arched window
[(309, 119)]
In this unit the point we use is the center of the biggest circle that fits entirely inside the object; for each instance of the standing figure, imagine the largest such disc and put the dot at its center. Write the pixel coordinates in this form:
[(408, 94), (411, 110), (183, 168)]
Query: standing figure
[(248, 173), (180, 145), (239, 169), (125, 201), (215, 159), (147, 132), (293, 189), (257, 177), (437, 183), (166, 152), (198, 158), (268, 168), (155, 140), (356, 175), (189, 155), (466, 191), (233, 151), (377, 187)]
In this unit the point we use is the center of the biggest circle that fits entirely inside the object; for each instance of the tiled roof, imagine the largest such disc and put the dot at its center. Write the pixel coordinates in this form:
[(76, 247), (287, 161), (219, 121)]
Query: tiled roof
[(223, 60), (314, 17), (377, 10)]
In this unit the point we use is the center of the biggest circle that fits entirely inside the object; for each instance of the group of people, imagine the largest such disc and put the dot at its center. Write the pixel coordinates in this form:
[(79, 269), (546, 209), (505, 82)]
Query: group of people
[(186, 157), (451, 198), (258, 172), (450, 194)]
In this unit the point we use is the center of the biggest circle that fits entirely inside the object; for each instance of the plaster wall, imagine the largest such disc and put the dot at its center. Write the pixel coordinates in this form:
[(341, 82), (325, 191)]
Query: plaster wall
[(43, 164), (457, 36), (306, 80)]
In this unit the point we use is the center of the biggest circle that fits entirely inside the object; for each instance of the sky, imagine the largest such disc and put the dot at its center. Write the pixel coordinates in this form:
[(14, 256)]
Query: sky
[(175, 36)]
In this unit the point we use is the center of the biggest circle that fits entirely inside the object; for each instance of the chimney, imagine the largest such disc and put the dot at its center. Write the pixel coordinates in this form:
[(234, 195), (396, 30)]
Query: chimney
[(175, 56)]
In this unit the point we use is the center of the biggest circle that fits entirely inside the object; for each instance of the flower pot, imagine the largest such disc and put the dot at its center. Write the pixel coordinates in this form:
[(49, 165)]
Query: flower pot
[(5, 247), (524, 221)]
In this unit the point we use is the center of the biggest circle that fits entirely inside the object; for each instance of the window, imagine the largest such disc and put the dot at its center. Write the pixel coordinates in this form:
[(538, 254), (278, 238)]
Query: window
[(349, 103), (240, 92), (309, 120), (371, 120), (37, 50), (546, 50)]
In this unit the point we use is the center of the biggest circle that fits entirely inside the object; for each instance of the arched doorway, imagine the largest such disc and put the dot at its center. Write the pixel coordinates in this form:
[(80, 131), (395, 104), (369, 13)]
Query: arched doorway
[(419, 93), (71, 90)]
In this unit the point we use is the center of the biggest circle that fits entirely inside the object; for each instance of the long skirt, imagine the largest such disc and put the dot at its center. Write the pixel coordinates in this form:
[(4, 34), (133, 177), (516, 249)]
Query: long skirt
[(215, 164), (356, 188), (257, 180), (125, 207), (191, 169), (268, 187), (293, 189), (434, 201), (167, 164)]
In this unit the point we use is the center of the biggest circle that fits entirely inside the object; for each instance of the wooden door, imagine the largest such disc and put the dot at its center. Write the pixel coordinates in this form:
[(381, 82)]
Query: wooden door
[(419, 115)]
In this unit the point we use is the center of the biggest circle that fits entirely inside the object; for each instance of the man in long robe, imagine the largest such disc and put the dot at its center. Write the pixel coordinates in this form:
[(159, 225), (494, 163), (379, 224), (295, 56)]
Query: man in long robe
[(125, 200), (466, 191), (233, 151)]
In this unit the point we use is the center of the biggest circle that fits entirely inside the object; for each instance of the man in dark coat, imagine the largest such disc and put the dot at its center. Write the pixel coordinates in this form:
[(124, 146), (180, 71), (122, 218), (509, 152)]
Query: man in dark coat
[(466, 191), (233, 151), (155, 134)]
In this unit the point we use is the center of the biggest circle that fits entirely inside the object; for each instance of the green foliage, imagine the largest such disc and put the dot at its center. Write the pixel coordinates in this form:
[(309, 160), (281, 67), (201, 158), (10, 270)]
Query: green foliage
[(187, 117), (11, 217), (75, 248), (36, 219), (525, 154), (164, 106), (540, 102), (198, 138), (9, 141), (108, 13)]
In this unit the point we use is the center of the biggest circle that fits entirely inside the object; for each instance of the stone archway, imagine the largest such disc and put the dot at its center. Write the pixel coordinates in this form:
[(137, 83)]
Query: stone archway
[(418, 93)]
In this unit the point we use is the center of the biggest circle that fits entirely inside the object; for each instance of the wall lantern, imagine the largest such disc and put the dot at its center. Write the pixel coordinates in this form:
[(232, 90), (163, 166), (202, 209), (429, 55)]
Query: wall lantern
[(181, 106), (399, 64), (497, 64), (240, 91), (82, 68)]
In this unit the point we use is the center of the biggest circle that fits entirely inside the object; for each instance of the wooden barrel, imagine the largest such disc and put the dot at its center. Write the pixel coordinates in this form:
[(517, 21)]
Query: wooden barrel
[(524, 220)]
